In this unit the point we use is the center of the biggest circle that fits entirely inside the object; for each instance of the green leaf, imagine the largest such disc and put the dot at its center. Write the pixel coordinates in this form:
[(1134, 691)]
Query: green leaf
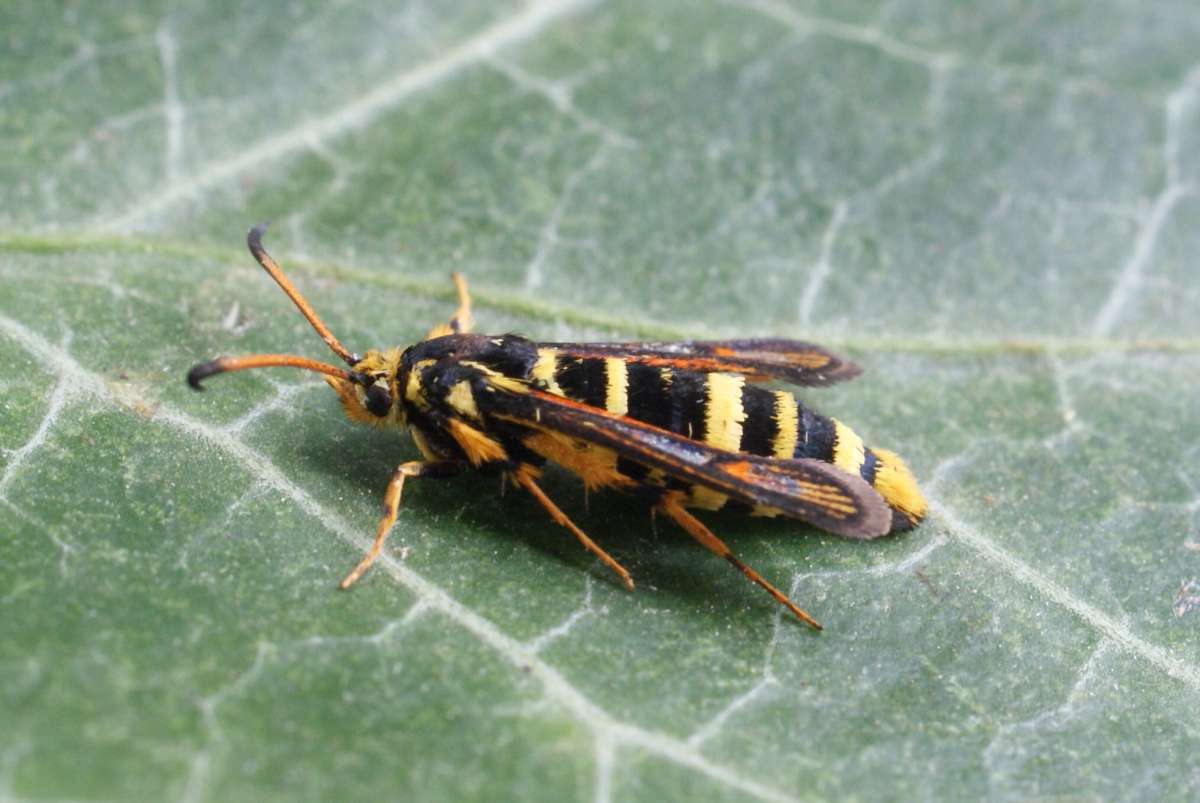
[(992, 207)]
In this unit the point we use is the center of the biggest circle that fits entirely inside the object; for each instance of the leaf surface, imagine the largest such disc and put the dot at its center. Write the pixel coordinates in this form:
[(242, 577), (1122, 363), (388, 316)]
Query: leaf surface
[(991, 207)]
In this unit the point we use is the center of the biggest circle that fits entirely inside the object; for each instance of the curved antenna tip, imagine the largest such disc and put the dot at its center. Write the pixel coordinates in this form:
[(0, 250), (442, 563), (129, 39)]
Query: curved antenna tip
[(254, 237), (222, 365), (202, 371)]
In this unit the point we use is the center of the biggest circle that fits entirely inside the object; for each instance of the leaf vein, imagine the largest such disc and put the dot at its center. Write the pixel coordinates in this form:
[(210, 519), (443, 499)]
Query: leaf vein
[(1052, 591), (358, 113)]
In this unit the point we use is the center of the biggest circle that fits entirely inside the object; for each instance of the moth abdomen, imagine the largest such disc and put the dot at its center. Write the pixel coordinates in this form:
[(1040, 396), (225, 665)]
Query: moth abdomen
[(729, 413)]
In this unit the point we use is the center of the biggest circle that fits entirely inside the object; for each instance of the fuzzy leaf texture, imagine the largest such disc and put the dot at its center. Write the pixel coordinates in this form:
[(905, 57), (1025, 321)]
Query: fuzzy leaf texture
[(992, 207)]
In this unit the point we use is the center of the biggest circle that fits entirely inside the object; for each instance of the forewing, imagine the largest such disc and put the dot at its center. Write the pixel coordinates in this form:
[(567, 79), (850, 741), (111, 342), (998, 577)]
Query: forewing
[(792, 361), (810, 490)]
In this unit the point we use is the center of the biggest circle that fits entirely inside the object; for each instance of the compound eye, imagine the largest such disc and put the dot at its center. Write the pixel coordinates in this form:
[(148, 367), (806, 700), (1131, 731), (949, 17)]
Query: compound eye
[(379, 401)]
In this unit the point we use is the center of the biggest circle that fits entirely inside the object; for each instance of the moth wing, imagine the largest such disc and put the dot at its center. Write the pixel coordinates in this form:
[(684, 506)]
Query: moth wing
[(810, 490), (758, 359)]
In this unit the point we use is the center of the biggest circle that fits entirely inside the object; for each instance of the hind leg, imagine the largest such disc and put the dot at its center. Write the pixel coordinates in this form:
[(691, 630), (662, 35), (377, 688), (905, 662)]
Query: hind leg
[(524, 479), (671, 506)]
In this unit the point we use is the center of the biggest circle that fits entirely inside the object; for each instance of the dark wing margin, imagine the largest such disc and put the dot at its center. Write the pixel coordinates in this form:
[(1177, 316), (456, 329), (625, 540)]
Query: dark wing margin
[(810, 490), (804, 364)]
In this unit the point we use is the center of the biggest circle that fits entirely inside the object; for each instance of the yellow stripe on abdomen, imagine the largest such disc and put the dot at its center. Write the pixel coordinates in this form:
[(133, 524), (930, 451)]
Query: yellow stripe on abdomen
[(848, 450), (616, 388), (723, 417), (544, 369), (787, 426), (723, 412)]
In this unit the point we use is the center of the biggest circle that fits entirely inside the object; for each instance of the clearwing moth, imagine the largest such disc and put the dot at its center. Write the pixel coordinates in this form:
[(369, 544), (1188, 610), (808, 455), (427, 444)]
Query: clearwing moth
[(682, 424)]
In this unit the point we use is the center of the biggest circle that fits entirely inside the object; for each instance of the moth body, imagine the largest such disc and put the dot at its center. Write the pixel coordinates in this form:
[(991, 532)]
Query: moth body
[(682, 424)]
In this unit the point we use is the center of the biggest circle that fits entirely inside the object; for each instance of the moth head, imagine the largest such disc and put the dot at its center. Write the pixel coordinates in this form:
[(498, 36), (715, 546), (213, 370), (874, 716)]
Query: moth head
[(369, 394)]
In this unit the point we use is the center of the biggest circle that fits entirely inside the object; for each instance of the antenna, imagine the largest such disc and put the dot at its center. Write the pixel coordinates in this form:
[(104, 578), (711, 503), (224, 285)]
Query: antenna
[(223, 365), (254, 241)]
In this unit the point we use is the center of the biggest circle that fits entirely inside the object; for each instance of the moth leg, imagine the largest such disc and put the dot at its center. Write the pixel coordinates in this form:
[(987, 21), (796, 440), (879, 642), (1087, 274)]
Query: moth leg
[(524, 479), (670, 505), (462, 321), (391, 503)]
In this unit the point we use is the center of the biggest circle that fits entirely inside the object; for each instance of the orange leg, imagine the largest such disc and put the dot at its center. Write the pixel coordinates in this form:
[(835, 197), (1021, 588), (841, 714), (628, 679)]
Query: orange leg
[(391, 503), (462, 321), (671, 506), (526, 481)]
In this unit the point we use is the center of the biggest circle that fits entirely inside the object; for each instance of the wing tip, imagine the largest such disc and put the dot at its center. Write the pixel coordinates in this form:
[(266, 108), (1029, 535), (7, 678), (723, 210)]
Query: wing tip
[(874, 519), (841, 370)]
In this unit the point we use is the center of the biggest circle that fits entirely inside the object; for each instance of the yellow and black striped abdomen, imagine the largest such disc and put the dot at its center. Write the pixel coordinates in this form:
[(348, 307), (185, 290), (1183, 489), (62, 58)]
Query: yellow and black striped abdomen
[(773, 423), (727, 412), (803, 432)]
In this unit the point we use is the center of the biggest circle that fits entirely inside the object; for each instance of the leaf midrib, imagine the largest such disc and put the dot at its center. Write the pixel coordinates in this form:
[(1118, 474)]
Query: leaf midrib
[(70, 242)]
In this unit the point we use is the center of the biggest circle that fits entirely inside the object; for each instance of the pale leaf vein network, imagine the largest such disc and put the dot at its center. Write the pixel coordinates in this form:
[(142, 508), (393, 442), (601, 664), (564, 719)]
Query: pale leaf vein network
[(353, 115)]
